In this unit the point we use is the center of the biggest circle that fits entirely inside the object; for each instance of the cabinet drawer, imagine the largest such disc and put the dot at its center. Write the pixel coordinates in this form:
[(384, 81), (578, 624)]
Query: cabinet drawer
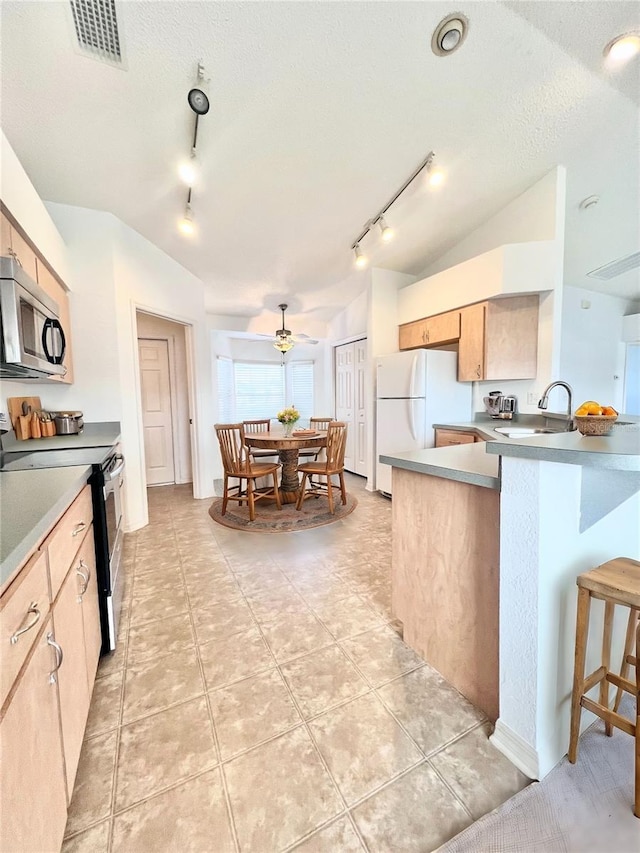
[(67, 537), (23, 611), (449, 438)]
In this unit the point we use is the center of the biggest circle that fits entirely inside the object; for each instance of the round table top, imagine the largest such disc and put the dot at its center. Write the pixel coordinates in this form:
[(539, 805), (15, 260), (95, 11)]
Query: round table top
[(277, 441)]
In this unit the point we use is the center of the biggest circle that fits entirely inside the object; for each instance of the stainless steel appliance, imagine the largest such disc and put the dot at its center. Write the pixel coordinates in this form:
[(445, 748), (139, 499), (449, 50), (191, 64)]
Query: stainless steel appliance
[(32, 342), (502, 406), (68, 423)]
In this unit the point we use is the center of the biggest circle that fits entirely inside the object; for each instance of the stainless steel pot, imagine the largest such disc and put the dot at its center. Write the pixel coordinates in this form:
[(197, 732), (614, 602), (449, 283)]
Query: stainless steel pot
[(68, 423)]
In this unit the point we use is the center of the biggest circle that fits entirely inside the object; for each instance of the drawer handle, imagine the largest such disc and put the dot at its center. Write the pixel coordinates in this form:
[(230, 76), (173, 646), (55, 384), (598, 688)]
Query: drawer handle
[(53, 678), (33, 608), (86, 578), (78, 528)]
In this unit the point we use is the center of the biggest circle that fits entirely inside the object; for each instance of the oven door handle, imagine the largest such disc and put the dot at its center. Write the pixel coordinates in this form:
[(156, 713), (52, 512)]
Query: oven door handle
[(113, 473)]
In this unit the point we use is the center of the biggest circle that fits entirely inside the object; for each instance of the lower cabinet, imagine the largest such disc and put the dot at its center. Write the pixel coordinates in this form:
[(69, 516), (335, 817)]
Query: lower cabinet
[(449, 438), (33, 800)]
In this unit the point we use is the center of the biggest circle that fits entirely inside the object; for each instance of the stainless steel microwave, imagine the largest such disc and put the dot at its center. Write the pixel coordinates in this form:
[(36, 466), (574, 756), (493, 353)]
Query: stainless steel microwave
[(32, 342)]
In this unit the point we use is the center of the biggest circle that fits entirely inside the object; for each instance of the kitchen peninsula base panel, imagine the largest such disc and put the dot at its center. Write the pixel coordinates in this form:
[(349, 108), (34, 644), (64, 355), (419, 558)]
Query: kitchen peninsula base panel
[(445, 579)]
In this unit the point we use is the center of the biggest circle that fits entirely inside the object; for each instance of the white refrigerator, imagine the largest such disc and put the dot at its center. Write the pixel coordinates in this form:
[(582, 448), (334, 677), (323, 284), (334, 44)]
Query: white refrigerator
[(414, 390)]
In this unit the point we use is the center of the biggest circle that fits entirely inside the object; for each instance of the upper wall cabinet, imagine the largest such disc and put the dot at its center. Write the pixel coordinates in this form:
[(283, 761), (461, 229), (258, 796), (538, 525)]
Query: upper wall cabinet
[(497, 339), (14, 243)]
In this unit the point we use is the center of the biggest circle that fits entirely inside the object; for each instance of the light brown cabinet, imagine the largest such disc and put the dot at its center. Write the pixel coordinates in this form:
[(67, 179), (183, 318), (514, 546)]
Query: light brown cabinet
[(433, 331), (449, 438), (499, 340), (33, 804), (52, 287), (14, 245)]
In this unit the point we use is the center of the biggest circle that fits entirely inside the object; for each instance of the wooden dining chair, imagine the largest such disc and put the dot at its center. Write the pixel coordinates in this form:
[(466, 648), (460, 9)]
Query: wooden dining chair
[(237, 465), (262, 425), (321, 424), (334, 465)]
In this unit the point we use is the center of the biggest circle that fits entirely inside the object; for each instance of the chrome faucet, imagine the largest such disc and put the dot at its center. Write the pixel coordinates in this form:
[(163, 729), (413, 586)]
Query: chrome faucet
[(544, 400)]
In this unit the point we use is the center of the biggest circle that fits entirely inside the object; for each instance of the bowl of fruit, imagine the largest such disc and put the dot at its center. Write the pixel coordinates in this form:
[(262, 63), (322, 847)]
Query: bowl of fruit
[(593, 419)]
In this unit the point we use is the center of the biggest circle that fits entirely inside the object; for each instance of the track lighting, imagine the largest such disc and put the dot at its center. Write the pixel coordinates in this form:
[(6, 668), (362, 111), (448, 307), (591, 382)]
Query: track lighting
[(186, 223), (385, 232), (189, 171), (622, 48), (436, 178), (361, 260)]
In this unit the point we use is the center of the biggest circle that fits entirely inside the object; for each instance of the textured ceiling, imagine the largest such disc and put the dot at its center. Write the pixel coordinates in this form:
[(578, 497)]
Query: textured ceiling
[(319, 111)]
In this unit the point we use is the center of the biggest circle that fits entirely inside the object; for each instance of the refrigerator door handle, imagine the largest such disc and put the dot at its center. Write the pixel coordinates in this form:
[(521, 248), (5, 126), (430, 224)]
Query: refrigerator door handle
[(412, 378), (412, 420)]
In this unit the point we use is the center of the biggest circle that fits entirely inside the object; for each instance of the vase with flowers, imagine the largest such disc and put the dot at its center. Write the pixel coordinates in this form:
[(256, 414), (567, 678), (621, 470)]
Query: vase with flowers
[(288, 417)]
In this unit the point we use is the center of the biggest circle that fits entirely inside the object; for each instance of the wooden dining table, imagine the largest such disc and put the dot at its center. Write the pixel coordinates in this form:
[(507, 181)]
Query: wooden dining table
[(288, 448)]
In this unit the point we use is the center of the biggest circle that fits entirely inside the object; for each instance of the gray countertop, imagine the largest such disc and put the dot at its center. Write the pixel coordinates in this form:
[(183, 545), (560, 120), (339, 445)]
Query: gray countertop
[(467, 463), (30, 504), (102, 434)]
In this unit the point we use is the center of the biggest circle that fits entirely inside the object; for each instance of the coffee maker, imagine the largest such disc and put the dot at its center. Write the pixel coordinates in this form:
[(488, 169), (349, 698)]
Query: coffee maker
[(501, 406)]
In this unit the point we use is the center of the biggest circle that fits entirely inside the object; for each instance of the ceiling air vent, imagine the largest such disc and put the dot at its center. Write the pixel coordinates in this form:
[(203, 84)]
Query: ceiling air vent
[(96, 27), (616, 268)]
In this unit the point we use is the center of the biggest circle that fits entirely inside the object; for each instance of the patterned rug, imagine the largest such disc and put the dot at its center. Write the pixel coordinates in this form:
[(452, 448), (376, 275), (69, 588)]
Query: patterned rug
[(313, 513)]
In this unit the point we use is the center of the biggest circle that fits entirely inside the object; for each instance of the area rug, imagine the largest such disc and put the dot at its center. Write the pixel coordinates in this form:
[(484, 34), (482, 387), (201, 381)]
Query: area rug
[(585, 807), (269, 519)]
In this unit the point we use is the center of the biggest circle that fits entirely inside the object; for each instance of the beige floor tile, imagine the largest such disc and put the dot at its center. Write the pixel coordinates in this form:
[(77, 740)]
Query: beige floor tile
[(106, 704), (417, 810), (338, 837), (480, 775), (251, 711), (279, 793), (322, 680), (163, 749), (363, 746), (449, 713), (262, 580), (94, 840), (275, 603), (158, 605), (292, 636), (235, 657), (91, 800), (347, 617), (191, 818), (209, 591), (381, 655), (114, 661), (164, 561), (153, 685), (222, 620), (159, 639)]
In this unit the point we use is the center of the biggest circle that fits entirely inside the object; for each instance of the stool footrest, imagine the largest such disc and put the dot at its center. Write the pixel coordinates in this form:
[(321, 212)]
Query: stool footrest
[(631, 659), (623, 683), (593, 679), (608, 716)]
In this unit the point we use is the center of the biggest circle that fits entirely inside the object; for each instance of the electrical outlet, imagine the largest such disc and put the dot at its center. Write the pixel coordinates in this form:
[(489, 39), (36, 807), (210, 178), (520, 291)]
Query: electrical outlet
[(531, 398)]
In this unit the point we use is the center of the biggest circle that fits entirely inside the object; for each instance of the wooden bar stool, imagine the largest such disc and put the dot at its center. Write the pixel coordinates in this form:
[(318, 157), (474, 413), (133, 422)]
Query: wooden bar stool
[(616, 583)]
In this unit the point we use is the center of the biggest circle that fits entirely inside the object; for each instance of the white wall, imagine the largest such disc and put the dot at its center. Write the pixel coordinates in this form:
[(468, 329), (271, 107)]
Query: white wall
[(351, 322), (156, 328), (593, 353)]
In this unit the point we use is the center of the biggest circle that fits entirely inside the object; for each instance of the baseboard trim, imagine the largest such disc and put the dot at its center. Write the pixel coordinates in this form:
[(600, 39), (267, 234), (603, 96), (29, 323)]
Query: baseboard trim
[(516, 749)]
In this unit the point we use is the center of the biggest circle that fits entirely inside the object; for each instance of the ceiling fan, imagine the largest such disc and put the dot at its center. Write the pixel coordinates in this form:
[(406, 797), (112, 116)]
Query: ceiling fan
[(284, 340)]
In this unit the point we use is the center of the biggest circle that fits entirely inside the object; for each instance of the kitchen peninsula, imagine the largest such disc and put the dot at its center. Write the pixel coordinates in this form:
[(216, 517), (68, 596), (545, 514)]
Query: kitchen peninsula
[(488, 539)]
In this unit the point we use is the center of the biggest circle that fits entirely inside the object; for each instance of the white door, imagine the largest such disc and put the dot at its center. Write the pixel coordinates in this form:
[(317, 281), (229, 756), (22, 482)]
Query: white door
[(360, 365), (156, 411), (345, 409)]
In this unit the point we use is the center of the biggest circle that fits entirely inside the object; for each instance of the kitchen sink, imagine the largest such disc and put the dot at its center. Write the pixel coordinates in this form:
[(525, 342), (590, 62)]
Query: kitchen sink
[(523, 432)]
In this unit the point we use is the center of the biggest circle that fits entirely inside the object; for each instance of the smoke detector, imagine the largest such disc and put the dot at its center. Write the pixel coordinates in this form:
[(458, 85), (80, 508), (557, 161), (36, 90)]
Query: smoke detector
[(449, 35), (589, 201)]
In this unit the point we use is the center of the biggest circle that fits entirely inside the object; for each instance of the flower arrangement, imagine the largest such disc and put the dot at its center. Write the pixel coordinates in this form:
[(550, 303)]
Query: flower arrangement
[(288, 416)]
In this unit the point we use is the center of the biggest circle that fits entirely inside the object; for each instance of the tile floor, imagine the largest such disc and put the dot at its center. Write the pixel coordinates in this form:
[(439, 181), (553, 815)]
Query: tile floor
[(261, 699)]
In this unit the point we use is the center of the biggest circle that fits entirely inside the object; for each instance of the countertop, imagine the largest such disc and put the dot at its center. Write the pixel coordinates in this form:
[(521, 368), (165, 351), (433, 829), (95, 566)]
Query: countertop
[(467, 463), (30, 504), (101, 434)]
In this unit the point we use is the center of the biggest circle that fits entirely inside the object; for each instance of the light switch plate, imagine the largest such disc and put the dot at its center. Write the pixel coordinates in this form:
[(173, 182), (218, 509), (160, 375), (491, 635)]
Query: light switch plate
[(531, 398)]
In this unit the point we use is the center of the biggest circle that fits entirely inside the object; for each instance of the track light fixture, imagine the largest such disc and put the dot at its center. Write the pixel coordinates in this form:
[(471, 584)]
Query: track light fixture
[(436, 178), (189, 170)]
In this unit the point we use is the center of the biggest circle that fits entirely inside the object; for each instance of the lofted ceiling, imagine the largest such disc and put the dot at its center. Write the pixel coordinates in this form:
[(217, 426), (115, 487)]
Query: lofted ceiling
[(319, 111)]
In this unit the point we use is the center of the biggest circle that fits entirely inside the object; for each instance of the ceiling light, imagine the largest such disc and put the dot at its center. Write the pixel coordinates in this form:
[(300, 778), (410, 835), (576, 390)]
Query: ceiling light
[(361, 259), (189, 171), (449, 35), (186, 223), (284, 345), (622, 48), (436, 178), (385, 232)]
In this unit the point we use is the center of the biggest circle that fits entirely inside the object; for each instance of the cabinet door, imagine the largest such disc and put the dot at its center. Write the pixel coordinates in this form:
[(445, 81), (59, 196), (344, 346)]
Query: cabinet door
[(412, 335), (24, 253), (86, 565), (33, 805), (471, 358), (511, 346), (5, 236), (72, 676), (54, 289), (442, 329), (450, 438)]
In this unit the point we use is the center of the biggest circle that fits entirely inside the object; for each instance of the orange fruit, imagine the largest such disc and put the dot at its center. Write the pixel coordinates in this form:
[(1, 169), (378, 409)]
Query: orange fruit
[(609, 411), (581, 411)]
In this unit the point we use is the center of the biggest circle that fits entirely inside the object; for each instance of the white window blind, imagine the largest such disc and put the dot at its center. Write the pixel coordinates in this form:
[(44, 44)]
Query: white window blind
[(260, 388), (225, 390), (300, 387)]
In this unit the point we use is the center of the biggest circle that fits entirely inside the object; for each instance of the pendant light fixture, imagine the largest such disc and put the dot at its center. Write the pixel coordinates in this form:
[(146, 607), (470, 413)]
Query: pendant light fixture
[(436, 178), (283, 342)]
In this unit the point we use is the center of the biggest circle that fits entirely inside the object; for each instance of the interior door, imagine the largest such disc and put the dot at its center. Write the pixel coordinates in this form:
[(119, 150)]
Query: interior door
[(360, 365), (345, 404), (156, 411)]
